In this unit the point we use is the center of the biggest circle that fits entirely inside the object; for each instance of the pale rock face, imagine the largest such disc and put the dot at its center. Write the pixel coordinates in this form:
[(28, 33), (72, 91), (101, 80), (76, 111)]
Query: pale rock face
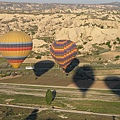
[(6, 17), (79, 29), (97, 36), (73, 35), (40, 50), (37, 43), (79, 43), (37, 46), (113, 48), (16, 25), (7, 28), (62, 34), (88, 47)]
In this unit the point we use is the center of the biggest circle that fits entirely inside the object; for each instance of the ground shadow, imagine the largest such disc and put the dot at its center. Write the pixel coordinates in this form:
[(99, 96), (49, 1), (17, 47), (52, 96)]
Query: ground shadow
[(42, 67), (33, 115), (113, 83), (84, 78), (54, 94), (75, 62), (51, 119)]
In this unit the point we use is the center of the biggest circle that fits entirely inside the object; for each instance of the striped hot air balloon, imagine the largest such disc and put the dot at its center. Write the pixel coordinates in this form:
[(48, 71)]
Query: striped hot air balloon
[(15, 46), (63, 51)]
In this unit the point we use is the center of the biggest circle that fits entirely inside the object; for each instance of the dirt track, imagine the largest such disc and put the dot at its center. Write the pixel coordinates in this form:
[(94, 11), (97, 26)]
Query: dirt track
[(25, 90), (97, 84), (61, 110)]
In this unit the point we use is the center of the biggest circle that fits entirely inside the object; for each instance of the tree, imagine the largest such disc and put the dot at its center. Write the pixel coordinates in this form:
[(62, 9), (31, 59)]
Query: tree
[(49, 97)]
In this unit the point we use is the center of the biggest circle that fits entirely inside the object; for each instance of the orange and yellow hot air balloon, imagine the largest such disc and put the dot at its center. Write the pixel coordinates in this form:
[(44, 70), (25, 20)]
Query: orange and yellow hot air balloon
[(15, 46), (63, 51)]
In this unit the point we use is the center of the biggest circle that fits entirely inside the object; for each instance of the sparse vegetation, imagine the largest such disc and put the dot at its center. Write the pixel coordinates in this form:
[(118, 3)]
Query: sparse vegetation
[(117, 57), (105, 17), (80, 47), (38, 57), (108, 44), (118, 39), (47, 39)]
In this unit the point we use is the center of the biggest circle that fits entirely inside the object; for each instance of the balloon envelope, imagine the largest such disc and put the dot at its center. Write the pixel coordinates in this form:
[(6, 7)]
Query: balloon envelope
[(15, 46), (63, 51)]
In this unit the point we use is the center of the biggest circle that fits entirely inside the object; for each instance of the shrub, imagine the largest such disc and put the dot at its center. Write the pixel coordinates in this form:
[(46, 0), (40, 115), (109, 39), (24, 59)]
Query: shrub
[(38, 57), (102, 27), (85, 43), (3, 75), (80, 47), (108, 44), (13, 74), (105, 17), (8, 73), (118, 39), (117, 57), (49, 97)]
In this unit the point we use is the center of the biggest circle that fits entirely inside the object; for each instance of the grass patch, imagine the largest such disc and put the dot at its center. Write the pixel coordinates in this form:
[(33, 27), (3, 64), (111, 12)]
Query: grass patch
[(96, 106), (63, 102), (11, 113), (18, 98)]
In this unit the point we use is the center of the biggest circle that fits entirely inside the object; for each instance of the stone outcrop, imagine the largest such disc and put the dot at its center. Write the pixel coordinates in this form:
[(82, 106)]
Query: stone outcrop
[(81, 29)]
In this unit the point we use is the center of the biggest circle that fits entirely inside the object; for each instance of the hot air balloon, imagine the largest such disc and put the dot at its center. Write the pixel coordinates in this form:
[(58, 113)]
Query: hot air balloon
[(15, 46), (63, 52)]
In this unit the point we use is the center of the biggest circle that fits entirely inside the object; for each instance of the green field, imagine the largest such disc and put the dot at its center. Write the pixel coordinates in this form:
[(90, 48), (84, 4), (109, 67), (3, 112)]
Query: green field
[(70, 99), (19, 90), (8, 113)]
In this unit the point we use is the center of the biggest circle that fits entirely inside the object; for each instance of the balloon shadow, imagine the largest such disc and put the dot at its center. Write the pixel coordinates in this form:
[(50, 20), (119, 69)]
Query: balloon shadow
[(84, 78), (113, 83), (42, 67), (75, 62), (33, 115)]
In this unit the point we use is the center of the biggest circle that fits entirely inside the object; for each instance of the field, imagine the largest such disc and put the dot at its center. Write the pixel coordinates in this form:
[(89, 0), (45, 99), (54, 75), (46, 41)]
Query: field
[(91, 90), (69, 103), (28, 114)]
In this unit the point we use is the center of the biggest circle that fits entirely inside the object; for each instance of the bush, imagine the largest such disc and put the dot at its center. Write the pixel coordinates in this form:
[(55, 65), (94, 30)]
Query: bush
[(80, 47), (3, 75), (8, 73), (118, 39), (108, 44), (13, 74), (49, 97), (117, 57), (38, 57)]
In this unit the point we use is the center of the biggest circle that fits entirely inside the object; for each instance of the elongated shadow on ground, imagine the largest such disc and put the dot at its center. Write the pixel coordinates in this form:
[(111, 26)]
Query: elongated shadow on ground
[(42, 67), (50, 119), (33, 115), (54, 94), (84, 78), (113, 83), (75, 62)]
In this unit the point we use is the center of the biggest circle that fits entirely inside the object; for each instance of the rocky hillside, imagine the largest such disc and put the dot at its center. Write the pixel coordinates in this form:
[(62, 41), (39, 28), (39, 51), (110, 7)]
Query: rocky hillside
[(91, 29)]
